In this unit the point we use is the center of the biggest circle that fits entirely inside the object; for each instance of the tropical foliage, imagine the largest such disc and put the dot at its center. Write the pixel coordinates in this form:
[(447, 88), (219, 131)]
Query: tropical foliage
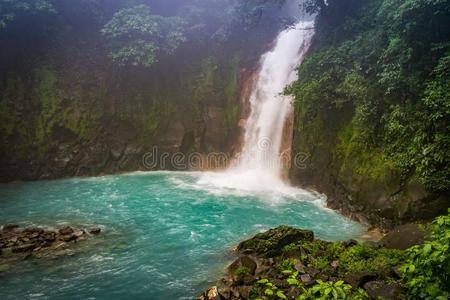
[(138, 37), (427, 270), (9, 9), (387, 63)]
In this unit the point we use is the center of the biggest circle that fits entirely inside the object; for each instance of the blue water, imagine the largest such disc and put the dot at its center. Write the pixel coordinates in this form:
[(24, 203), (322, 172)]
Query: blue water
[(164, 236)]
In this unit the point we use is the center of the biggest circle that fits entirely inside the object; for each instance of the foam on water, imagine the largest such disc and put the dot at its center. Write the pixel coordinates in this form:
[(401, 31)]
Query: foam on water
[(258, 168), (164, 235)]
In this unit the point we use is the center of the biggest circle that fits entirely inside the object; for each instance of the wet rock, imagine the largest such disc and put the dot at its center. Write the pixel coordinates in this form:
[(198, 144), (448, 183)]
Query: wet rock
[(323, 277), (379, 289), (293, 293), (24, 248), (311, 271), (59, 245), (271, 242), (27, 256), (261, 270), (300, 268), (211, 294), (49, 236), (78, 233), (350, 243), (66, 230), (243, 262), (68, 237), (95, 230), (225, 291), (245, 291), (306, 279), (335, 264), (358, 279), (33, 230), (403, 237), (10, 227)]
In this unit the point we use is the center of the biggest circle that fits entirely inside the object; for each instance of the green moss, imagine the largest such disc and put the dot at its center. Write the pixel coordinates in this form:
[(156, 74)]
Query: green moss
[(362, 257), (46, 93), (242, 271), (12, 107), (356, 156)]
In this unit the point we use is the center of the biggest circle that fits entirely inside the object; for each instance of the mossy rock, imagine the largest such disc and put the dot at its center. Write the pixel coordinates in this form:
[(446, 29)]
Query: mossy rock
[(271, 242)]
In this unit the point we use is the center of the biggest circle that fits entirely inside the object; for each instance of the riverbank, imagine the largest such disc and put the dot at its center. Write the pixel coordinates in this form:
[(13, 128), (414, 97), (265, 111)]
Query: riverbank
[(289, 263)]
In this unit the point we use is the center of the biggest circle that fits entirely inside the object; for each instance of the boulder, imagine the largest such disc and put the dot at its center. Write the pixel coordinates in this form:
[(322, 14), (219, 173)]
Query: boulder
[(358, 279), (69, 237), (299, 267), (10, 227), (244, 291), (24, 248), (311, 271), (271, 242), (210, 294), (349, 243), (403, 237), (95, 230), (379, 289), (225, 292), (78, 233), (49, 236), (243, 262), (66, 230), (306, 279)]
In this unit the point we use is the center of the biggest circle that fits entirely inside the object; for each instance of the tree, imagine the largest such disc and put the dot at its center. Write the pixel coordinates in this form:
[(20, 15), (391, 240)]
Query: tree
[(10, 8), (137, 37)]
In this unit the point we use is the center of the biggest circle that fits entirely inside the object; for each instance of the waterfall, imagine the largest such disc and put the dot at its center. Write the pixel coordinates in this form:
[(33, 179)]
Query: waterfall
[(259, 166), (269, 108)]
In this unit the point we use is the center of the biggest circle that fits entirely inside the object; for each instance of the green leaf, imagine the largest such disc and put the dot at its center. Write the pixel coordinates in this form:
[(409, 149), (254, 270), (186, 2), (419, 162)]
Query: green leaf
[(281, 295), (262, 281), (268, 292)]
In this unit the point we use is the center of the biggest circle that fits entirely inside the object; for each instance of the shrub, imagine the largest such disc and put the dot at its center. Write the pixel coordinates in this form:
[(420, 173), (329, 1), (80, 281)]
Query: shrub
[(332, 290), (427, 270)]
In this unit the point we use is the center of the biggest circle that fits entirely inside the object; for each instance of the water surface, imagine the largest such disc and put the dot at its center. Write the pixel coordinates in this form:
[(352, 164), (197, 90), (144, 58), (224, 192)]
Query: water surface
[(166, 235)]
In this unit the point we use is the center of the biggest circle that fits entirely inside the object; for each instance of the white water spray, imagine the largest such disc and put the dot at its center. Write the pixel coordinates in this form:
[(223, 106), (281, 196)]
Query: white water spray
[(269, 108), (258, 168)]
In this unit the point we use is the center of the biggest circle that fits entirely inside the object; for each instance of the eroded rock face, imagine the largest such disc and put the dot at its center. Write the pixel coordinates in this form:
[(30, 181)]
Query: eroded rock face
[(272, 242)]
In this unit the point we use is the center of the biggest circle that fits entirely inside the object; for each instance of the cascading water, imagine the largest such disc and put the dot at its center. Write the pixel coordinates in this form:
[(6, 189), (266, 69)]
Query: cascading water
[(258, 168), (269, 108)]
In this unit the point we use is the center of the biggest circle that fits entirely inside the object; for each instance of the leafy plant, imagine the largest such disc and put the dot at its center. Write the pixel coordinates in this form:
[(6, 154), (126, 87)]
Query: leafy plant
[(242, 271), (365, 258), (332, 290), (9, 9), (375, 92), (137, 37), (287, 266), (267, 291), (427, 270)]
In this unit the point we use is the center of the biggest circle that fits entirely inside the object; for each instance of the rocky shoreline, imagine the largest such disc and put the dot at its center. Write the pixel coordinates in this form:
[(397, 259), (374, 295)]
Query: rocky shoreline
[(289, 263), (35, 242)]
